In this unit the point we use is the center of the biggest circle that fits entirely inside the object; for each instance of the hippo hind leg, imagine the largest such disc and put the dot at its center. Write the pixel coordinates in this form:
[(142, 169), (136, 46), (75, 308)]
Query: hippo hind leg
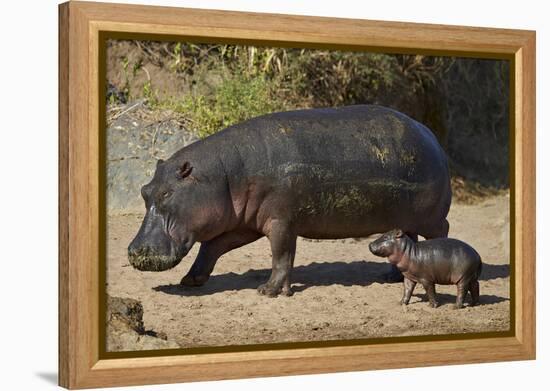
[(461, 292), (474, 291)]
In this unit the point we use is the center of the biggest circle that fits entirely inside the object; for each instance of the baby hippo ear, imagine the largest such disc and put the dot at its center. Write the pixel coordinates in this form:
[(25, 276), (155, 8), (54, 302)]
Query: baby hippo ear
[(185, 170), (398, 233)]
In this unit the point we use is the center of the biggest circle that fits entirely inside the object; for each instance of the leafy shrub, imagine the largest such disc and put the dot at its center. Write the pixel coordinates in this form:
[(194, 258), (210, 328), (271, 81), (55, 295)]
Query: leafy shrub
[(236, 99)]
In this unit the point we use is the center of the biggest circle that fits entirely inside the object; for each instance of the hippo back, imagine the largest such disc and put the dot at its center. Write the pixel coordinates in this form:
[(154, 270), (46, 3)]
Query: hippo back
[(349, 171)]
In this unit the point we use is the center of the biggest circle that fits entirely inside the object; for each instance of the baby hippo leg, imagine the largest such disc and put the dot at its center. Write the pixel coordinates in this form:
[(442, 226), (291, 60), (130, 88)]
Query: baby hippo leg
[(408, 287), (461, 291), (430, 290), (474, 291)]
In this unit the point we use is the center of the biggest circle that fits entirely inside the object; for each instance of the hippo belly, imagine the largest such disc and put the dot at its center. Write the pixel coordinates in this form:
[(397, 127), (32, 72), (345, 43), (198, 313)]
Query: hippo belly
[(357, 210), (361, 208)]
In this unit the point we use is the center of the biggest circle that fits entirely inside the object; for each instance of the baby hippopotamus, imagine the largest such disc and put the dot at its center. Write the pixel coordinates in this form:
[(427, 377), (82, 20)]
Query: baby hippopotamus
[(436, 261)]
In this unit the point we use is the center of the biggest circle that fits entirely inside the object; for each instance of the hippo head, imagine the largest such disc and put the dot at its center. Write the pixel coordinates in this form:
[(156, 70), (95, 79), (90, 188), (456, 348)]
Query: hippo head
[(180, 210), (386, 244)]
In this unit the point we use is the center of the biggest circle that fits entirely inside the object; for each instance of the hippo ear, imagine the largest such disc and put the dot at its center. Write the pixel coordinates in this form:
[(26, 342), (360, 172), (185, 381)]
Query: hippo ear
[(159, 162), (185, 170), (398, 233)]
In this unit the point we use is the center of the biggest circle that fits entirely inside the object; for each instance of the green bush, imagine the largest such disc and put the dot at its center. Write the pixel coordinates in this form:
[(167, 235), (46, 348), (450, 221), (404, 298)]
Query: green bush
[(214, 86), (235, 99)]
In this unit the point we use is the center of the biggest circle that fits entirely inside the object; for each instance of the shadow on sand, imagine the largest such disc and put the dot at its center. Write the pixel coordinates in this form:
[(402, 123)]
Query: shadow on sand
[(445, 298), (361, 273), (490, 272)]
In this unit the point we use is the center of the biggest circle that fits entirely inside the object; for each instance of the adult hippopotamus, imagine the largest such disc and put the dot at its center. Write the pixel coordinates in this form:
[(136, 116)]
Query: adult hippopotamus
[(317, 173)]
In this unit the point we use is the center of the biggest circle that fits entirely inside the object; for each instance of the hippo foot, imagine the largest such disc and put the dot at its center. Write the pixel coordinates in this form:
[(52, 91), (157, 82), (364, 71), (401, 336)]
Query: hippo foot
[(287, 291), (189, 280), (433, 304), (271, 290)]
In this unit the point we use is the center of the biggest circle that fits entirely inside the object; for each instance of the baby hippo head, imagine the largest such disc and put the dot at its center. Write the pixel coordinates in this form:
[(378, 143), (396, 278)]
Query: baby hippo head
[(386, 244)]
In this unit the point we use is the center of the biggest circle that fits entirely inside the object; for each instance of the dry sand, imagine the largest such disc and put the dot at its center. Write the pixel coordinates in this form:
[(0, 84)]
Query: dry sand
[(339, 289)]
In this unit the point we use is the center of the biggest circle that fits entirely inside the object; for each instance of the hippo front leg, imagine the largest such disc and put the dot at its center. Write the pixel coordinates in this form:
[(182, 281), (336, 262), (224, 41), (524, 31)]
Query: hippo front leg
[(408, 288), (210, 251), (283, 249)]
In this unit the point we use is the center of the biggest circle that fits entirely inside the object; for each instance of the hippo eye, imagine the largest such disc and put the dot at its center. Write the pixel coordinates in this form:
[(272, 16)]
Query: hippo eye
[(166, 194)]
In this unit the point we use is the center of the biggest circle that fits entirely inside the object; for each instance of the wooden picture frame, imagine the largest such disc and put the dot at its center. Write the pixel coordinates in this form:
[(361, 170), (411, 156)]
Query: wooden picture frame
[(81, 25)]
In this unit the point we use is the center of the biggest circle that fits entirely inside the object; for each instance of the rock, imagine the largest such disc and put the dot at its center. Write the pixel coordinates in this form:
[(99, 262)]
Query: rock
[(128, 311), (135, 141), (125, 330)]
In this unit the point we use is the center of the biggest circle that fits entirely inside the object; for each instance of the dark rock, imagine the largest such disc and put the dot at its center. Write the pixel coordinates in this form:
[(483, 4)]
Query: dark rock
[(125, 330)]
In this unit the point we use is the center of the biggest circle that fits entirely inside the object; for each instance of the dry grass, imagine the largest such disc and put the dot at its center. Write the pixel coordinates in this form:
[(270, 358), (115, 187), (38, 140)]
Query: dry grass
[(471, 192)]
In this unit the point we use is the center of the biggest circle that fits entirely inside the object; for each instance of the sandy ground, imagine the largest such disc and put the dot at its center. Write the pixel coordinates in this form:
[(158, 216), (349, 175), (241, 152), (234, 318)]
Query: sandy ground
[(339, 289)]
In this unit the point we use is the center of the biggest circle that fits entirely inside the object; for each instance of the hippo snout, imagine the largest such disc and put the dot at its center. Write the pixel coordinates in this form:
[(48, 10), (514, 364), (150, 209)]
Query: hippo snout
[(375, 248), (152, 249), (153, 258), (147, 259), (381, 247)]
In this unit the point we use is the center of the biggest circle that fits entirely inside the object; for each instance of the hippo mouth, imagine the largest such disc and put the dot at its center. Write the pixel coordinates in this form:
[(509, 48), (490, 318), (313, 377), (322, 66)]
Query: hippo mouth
[(154, 263), (146, 261)]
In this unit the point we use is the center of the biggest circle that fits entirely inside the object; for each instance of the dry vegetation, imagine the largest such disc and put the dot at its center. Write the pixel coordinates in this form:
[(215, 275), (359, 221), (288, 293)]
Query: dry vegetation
[(202, 88)]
